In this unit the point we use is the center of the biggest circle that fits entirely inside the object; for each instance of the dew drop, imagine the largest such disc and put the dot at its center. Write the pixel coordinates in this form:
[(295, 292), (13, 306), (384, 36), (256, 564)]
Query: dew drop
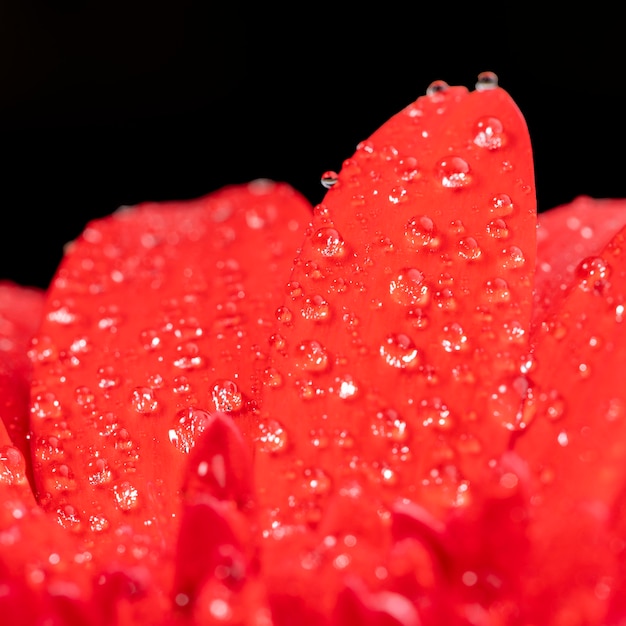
[(316, 309), (189, 423), (502, 205), (497, 229), (454, 172), (12, 466), (513, 258), (273, 437), (486, 81), (453, 338), (489, 133), (98, 523), (126, 496), (311, 356), (226, 396), (399, 351), (144, 401), (437, 87), (329, 179), (188, 356), (284, 315), (316, 481), (408, 288), (329, 243), (497, 290), (592, 274), (420, 232), (469, 249), (397, 194), (390, 425), (45, 406), (107, 377), (272, 378), (347, 388)]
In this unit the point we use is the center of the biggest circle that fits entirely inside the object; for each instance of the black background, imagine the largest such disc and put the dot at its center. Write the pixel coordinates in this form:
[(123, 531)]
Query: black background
[(110, 103)]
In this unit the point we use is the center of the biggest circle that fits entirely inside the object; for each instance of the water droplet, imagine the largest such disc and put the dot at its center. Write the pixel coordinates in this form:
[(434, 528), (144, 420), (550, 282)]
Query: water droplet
[(329, 179), (188, 356), (46, 406), (84, 398), (311, 356), (454, 172), (144, 401), (329, 243), (316, 309), (408, 288), (293, 289), (418, 318), (420, 232), (437, 87), (497, 229), (272, 378), (226, 396), (453, 338), (434, 412), (512, 258), (150, 339), (397, 194), (489, 133), (497, 290), (346, 387), (390, 425), (284, 315), (398, 350), (98, 471), (126, 496), (273, 437), (107, 377), (12, 466), (316, 481), (68, 518), (469, 249), (486, 81), (189, 424), (592, 274), (502, 205), (98, 523)]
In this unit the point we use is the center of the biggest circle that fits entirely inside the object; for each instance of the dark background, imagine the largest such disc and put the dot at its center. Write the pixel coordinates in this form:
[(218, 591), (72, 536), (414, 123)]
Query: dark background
[(111, 103)]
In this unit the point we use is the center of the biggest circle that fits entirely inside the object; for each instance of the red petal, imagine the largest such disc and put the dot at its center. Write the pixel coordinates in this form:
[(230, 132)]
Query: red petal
[(154, 320), (398, 362), (575, 446)]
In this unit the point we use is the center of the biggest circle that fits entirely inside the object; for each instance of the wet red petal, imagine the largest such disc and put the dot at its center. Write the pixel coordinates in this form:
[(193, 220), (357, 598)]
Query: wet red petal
[(397, 364), (575, 444), (153, 323)]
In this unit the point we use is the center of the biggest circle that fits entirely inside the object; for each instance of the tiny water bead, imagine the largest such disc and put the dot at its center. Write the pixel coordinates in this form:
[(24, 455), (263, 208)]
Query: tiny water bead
[(329, 179), (144, 401), (226, 396), (486, 81), (454, 172), (188, 424), (468, 249), (316, 309), (502, 205)]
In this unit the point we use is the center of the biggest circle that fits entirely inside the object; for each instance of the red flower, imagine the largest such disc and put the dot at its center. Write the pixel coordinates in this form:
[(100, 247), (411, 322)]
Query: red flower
[(403, 407)]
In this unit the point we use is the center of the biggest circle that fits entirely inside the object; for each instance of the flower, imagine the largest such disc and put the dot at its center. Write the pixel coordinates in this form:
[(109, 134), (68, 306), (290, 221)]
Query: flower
[(400, 406)]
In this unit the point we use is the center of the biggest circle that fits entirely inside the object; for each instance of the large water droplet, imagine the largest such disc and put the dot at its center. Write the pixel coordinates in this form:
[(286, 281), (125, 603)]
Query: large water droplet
[(437, 87), (497, 229), (408, 288), (512, 258), (329, 179), (273, 437), (454, 172), (486, 81), (398, 350)]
